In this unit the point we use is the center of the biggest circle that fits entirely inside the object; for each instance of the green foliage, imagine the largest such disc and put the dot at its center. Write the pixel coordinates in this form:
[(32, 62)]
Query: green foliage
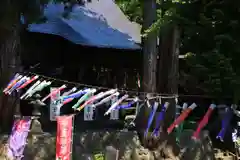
[(99, 157), (210, 32), (132, 8), (214, 72), (212, 37)]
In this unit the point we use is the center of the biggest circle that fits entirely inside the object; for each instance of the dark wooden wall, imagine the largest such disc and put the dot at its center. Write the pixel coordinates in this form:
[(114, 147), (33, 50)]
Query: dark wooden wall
[(62, 59), (84, 64)]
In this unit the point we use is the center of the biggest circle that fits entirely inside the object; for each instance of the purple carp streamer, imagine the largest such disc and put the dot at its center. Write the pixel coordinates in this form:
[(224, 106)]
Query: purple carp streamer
[(18, 137)]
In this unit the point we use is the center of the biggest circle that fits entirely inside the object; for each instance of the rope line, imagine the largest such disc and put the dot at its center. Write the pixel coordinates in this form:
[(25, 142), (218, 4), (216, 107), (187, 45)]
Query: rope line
[(155, 94)]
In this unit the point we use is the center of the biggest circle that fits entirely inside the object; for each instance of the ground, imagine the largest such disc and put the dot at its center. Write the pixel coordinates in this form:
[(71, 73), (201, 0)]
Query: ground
[(94, 144)]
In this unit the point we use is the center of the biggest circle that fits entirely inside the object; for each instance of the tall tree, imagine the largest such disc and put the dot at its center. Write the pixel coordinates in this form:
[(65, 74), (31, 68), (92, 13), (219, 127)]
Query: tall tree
[(149, 47), (11, 27), (9, 53)]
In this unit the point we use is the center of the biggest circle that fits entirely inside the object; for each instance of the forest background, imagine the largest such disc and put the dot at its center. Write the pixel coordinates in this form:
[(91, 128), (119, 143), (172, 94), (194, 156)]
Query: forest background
[(209, 42)]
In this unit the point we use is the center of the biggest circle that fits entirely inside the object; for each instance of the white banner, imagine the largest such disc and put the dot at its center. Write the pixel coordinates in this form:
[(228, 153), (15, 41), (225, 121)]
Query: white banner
[(88, 113), (55, 102), (114, 114)]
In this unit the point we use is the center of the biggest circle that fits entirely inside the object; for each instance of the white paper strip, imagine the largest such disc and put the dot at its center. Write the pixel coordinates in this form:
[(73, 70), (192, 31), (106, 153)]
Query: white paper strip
[(88, 113), (114, 114), (54, 105)]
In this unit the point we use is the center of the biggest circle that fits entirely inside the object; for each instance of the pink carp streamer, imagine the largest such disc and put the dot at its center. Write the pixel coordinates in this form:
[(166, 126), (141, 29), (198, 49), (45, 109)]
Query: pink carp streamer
[(67, 101), (181, 118), (54, 92), (204, 121), (27, 83)]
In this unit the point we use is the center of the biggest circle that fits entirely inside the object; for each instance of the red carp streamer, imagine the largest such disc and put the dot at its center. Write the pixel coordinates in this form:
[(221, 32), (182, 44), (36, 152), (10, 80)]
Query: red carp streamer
[(204, 121), (181, 118)]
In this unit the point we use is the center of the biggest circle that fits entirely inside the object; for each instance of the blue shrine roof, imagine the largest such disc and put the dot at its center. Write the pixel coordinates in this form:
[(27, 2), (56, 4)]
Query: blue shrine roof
[(99, 23)]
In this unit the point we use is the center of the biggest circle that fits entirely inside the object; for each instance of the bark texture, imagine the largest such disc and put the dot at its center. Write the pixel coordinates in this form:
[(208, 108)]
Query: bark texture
[(149, 47), (10, 28), (168, 68)]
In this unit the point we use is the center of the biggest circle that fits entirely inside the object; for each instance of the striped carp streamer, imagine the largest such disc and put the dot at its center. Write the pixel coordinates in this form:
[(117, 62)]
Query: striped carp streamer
[(107, 99), (76, 94), (68, 100), (63, 102), (114, 105), (150, 119), (135, 100), (179, 108), (13, 82), (38, 88), (19, 83), (69, 92), (90, 100), (160, 118), (225, 123), (66, 94), (179, 129), (93, 98), (204, 121), (85, 97), (27, 83), (54, 92), (30, 89), (101, 95), (181, 118), (98, 96)]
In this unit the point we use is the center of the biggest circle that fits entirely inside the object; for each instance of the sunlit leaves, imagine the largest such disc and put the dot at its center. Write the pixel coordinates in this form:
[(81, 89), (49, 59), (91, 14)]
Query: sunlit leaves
[(132, 8)]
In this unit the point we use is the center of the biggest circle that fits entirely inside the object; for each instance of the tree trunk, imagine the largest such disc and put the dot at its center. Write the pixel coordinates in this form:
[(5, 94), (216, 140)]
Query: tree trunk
[(9, 60), (149, 61), (168, 68), (149, 47), (168, 83)]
